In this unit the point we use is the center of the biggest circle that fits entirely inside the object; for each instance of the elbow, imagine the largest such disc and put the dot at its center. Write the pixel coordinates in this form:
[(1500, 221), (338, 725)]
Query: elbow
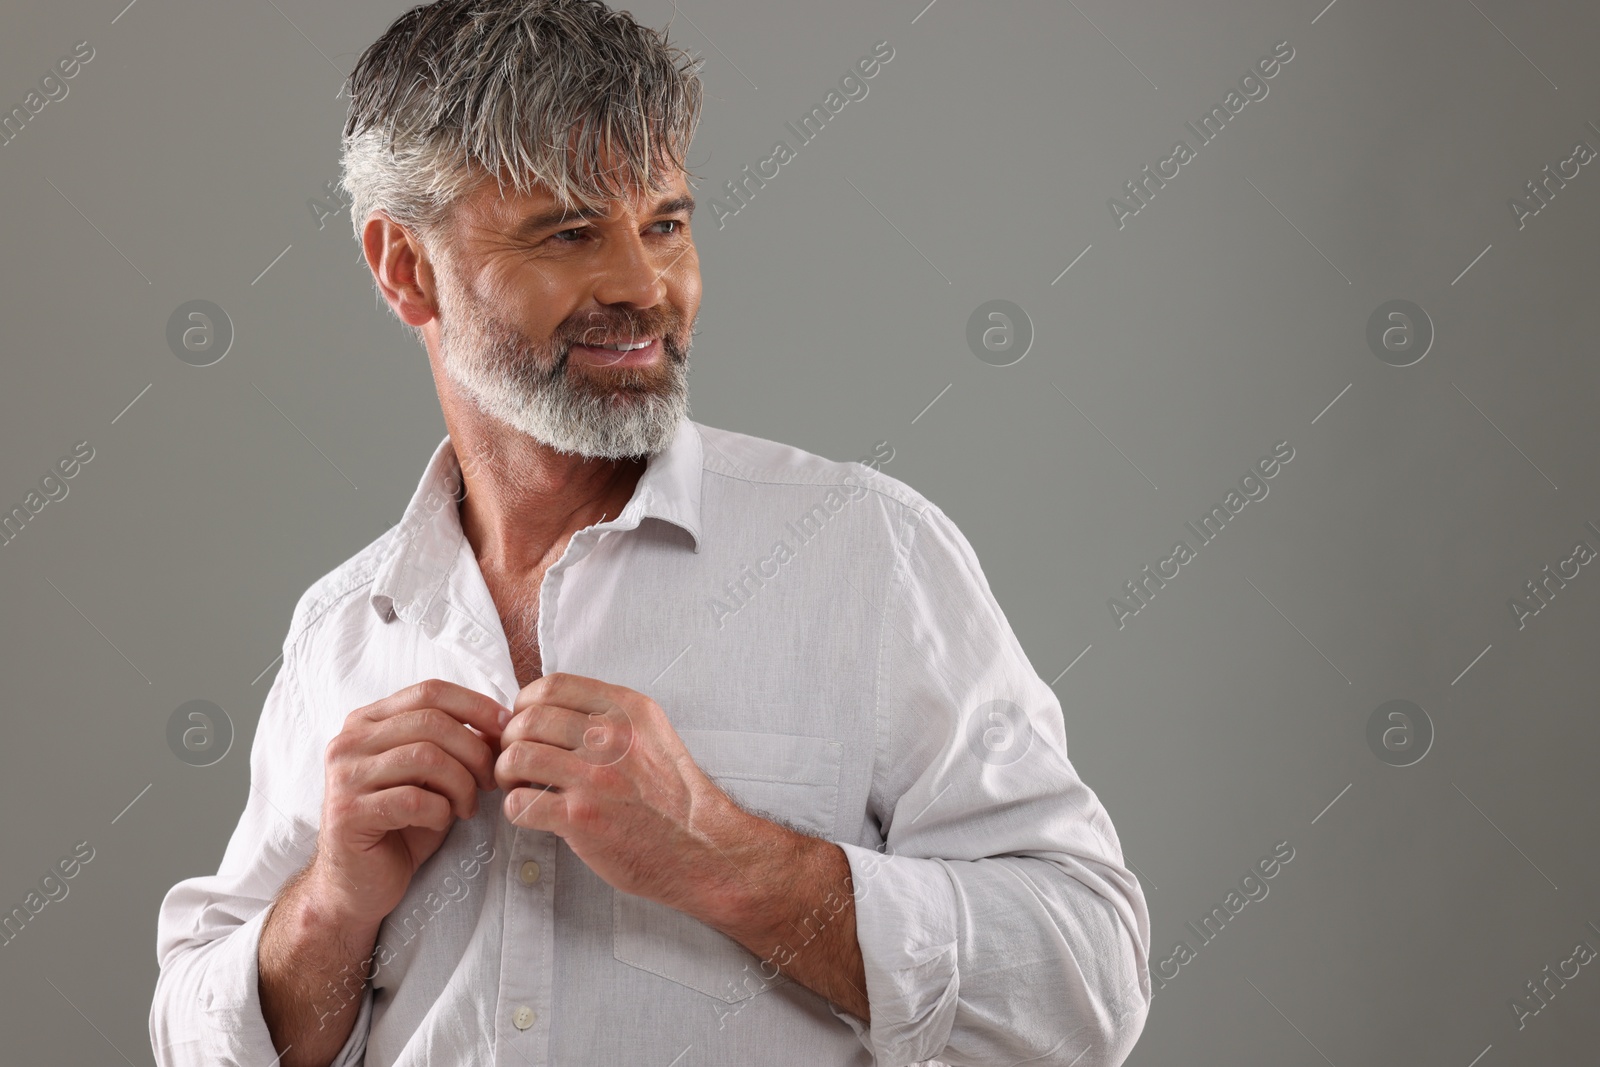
[(1115, 1028), (166, 1039), (1108, 1003), (1115, 1037), (1102, 1025), (1104, 1042)]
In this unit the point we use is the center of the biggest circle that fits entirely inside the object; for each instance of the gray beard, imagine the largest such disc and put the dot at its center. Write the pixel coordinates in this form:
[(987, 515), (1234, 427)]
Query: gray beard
[(503, 372)]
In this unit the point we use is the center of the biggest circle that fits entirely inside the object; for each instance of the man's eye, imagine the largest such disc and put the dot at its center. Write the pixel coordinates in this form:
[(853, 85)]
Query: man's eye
[(579, 231)]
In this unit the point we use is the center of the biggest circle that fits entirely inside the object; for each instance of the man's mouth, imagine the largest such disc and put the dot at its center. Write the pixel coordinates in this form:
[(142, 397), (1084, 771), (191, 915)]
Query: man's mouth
[(620, 353)]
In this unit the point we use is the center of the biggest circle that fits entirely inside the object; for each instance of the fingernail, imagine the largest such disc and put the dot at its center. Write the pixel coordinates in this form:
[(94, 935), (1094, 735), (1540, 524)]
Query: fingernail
[(505, 717)]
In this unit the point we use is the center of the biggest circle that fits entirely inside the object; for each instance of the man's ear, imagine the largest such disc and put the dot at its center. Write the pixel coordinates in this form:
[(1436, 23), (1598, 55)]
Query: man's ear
[(401, 268)]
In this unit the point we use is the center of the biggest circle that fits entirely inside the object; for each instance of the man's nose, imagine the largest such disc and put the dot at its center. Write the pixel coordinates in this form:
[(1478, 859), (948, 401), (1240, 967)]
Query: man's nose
[(630, 273)]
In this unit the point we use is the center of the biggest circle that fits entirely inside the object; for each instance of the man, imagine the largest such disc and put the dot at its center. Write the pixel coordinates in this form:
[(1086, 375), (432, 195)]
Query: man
[(635, 741)]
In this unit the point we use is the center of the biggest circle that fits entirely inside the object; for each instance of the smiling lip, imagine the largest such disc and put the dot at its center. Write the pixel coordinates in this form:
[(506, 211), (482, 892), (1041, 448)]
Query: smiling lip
[(607, 357)]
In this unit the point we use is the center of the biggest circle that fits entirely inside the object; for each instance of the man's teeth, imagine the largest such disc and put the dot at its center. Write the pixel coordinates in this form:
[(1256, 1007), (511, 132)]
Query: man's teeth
[(624, 348)]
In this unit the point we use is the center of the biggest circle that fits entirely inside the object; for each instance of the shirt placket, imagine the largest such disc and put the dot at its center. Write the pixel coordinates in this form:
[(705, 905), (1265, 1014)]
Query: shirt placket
[(525, 1008), (527, 957)]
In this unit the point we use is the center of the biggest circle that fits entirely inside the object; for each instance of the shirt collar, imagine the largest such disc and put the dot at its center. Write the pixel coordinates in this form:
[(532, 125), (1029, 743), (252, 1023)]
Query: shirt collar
[(414, 567)]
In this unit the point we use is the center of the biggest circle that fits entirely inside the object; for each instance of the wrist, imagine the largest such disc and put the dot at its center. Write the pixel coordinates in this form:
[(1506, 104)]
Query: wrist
[(750, 878), (321, 908)]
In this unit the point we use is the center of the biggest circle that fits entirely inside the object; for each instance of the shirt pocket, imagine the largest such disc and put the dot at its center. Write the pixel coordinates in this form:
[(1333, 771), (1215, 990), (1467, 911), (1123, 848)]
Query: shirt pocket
[(786, 777)]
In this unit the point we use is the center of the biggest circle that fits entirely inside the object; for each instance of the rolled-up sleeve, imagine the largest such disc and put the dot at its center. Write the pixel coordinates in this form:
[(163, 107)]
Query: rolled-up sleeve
[(206, 1010), (999, 923)]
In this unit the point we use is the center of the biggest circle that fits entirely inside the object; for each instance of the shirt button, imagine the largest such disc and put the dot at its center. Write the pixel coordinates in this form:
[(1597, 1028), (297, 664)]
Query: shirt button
[(530, 872), (523, 1017)]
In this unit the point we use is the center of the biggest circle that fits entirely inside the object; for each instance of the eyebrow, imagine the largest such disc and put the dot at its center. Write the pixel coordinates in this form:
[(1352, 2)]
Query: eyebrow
[(544, 220)]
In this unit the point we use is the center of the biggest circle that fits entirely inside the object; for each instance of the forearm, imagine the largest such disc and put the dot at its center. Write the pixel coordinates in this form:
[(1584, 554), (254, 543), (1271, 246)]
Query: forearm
[(790, 902), (312, 973)]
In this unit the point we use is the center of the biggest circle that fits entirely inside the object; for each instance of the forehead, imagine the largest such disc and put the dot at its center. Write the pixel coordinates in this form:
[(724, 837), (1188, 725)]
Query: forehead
[(504, 207)]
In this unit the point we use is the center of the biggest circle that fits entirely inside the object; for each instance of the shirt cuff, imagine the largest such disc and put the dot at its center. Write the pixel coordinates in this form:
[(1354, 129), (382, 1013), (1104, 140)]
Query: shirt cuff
[(906, 926), (235, 1027)]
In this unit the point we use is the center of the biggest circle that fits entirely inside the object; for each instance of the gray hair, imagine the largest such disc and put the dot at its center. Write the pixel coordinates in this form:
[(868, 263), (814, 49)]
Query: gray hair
[(458, 91)]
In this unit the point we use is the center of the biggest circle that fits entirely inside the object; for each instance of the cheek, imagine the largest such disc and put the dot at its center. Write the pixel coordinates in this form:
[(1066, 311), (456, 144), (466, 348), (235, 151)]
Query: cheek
[(685, 286), (534, 296), (679, 262)]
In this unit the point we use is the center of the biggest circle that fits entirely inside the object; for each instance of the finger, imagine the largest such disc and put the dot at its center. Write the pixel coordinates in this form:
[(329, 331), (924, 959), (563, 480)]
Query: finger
[(544, 765), (467, 706), (548, 724), (604, 738), (536, 809), (431, 724), (422, 764), (403, 806), (573, 691)]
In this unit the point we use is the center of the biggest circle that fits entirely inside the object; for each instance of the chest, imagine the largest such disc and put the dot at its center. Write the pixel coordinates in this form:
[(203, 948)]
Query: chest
[(516, 598)]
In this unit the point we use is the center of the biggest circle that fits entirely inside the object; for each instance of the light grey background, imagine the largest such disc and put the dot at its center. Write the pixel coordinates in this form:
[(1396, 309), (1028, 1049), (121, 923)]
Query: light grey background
[(1227, 316)]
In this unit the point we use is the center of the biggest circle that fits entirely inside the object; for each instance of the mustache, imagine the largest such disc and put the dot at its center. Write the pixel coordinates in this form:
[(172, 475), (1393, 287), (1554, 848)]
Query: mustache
[(632, 327)]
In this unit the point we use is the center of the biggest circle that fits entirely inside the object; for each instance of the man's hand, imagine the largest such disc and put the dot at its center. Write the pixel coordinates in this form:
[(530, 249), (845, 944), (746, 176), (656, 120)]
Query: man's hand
[(398, 774), (601, 766)]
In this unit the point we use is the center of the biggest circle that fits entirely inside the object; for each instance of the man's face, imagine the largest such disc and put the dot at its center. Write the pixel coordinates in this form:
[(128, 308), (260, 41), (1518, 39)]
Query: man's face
[(526, 299)]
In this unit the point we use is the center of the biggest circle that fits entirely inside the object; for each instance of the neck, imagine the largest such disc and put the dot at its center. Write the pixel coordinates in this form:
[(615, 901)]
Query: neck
[(524, 499)]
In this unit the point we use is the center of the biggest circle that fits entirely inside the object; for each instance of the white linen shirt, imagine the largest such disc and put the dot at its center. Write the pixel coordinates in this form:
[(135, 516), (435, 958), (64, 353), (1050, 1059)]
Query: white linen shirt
[(824, 641)]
